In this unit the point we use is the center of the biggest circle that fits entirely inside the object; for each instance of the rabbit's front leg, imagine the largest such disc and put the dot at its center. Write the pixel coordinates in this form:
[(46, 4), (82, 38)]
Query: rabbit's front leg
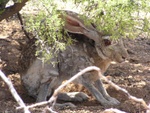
[(100, 87), (95, 92)]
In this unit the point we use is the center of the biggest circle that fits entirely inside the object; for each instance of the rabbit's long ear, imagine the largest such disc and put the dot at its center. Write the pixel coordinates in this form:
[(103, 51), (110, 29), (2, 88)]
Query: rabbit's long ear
[(74, 24)]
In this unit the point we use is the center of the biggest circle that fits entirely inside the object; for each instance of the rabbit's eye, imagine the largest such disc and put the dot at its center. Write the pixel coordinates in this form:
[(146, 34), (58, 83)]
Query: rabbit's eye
[(123, 57), (107, 42)]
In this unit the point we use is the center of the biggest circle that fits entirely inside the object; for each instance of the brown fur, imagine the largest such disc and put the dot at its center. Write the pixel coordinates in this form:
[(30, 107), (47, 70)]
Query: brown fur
[(41, 79)]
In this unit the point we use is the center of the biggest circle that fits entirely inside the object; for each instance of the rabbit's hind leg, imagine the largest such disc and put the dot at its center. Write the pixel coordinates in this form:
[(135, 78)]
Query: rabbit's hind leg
[(73, 97), (68, 98), (43, 92)]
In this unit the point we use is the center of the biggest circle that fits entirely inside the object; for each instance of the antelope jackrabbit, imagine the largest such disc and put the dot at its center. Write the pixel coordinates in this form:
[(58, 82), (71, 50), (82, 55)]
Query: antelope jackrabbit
[(90, 48)]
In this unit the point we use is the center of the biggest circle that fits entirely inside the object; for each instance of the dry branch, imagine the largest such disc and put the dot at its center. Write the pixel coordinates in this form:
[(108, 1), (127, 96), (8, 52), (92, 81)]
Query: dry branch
[(52, 100), (140, 100), (22, 26), (112, 110), (148, 110), (14, 92), (9, 11)]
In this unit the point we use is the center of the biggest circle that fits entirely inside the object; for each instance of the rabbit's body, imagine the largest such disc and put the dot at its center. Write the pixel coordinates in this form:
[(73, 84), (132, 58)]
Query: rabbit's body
[(68, 63), (41, 79)]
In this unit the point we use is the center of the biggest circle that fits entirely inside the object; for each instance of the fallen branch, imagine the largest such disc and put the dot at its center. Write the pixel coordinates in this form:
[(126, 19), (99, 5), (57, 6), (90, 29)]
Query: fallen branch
[(52, 100), (13, 92)]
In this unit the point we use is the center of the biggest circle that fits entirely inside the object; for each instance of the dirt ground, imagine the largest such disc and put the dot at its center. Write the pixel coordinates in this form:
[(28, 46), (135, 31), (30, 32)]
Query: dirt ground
[(133, 75)]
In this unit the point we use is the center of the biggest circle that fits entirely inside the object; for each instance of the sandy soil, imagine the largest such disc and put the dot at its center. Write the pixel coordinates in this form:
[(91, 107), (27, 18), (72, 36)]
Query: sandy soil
[(133, 75)]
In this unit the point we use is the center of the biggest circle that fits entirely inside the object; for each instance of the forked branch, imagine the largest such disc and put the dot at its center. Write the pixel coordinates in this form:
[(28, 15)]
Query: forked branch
[(52, 100)]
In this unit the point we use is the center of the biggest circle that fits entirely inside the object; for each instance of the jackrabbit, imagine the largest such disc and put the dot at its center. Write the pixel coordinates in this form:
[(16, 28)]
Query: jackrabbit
[(90, 48)]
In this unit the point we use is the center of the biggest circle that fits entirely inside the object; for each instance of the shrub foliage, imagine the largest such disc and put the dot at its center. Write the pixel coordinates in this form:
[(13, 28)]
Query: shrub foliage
[(117, 18)]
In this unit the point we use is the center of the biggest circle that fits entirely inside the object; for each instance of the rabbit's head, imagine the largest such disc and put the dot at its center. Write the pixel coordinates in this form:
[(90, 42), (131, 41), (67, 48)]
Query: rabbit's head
[(104, 48), (116, 52)]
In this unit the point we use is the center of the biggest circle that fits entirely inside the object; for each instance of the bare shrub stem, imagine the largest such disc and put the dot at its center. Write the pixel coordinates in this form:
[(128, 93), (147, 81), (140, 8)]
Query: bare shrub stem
[(14, 92)]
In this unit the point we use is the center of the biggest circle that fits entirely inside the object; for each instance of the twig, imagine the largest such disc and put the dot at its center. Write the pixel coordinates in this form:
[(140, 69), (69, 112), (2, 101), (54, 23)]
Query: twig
[(148, 110), (22, 26), (126, 92), (52, 100), (13, 92), (112, 110), (35, 105), (91, 68)]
